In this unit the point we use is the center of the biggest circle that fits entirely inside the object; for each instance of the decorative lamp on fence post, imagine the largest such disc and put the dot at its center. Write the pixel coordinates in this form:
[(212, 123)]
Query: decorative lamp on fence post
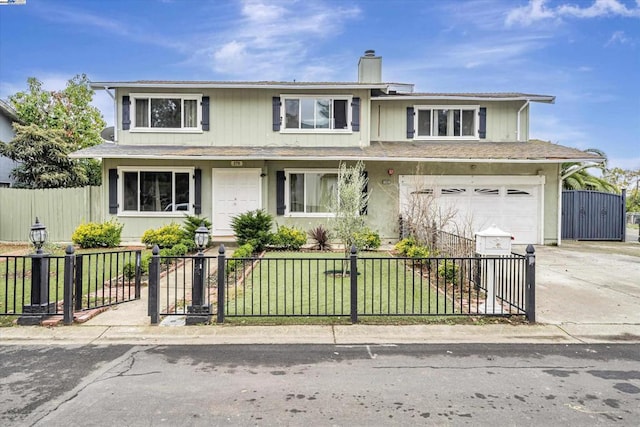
[(39, 306), (200, 310)]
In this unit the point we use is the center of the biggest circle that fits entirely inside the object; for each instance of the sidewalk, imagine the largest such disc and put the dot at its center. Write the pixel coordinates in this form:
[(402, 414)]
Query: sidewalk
[(336, 334)]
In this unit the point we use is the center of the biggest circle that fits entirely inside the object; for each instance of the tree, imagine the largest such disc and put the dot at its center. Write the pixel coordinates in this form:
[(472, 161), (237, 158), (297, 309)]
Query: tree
[(629, 179), (348, 204), (58, 123), (581, 179), (43, 159)]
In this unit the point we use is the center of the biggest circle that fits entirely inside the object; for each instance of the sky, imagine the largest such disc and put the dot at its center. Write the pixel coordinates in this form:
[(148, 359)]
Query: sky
[(584, 52)]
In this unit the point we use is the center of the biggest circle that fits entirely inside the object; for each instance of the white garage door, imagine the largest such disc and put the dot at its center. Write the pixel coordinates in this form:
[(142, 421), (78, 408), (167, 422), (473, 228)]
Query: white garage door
[(512, 203), (235, 191)]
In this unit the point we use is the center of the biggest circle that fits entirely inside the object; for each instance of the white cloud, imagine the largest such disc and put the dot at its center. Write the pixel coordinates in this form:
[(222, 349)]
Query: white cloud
[(537, 10), (271, 39), (618, 37)]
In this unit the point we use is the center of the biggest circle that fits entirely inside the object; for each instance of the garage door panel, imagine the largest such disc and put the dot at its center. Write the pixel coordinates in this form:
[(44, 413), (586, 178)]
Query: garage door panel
[(482, 201)]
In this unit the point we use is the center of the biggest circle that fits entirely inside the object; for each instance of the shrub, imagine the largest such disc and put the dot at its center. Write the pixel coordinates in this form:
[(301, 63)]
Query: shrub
[(190, 225), (321, 236), (165, 237), (288, 238), (253, 227), (418, 252), (95, 235), (405, 244), (129, 269), (368, 239), (244, 251), (448, 270)]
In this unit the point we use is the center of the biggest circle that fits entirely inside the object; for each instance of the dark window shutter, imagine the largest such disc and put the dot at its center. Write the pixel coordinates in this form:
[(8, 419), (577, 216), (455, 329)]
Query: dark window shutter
[(365, 191), (197, 196), (113, 190), (280, 182), (205, 113), (126, 116), (355, 114), (482, 129), (276, 112), (410, 125)]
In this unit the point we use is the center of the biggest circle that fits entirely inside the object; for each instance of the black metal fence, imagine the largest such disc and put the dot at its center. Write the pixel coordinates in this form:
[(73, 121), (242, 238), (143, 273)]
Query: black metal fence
[(39, 285), (313, 285)]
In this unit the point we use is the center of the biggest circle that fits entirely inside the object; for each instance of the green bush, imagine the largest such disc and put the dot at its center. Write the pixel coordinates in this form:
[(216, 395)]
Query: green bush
[(418, 252), (165, 237), (448, 270), (129, 269), (244, 251), (405, 244), (289, 238), (190, 225), (95, 235), (253, 227), (368, 240)]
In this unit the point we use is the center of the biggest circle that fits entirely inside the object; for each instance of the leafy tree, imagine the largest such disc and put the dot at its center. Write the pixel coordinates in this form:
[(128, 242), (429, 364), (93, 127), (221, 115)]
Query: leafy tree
[(581, 179), (629, 179), (348, 203), (43, 157), (58, 122)]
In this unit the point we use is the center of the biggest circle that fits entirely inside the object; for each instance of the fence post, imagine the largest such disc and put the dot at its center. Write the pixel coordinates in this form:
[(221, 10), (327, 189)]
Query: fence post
[(353, 276), (531, 284), (154, 286), (67, 301), (78, 282), (221, 284), (39, 306), (138, 273)]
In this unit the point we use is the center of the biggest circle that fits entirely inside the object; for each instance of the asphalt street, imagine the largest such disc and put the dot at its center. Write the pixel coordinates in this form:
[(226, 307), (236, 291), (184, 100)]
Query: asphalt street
[(437, 384)]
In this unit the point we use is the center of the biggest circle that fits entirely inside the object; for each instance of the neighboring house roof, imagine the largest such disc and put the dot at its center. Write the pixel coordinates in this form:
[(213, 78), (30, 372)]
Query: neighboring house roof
[(534, 151), (7, 110)]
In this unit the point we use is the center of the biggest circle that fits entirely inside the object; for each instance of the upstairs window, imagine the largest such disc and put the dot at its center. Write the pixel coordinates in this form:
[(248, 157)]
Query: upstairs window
[(443, 122), (166, 112), (316, 114)]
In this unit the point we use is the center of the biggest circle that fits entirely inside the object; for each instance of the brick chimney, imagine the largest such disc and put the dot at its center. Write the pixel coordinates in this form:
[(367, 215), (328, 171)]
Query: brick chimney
[(370, 68)]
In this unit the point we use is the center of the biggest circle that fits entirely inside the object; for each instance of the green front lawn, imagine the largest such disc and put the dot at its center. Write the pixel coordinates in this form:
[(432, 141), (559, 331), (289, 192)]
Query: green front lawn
[(315, 284)]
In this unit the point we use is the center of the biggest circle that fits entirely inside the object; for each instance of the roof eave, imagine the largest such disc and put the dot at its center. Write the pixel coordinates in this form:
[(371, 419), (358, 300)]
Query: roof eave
[(240, 85), (535, 98)]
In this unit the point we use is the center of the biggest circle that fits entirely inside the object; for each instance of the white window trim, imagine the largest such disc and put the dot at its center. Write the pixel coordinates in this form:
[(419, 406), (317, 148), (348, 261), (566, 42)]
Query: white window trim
[(474, 137), (283, 113), (174, 170), (287, 194), (183, 97)]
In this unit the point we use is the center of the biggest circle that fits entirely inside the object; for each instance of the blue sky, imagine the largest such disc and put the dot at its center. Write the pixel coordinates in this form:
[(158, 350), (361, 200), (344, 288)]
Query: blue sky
[(585, 52)]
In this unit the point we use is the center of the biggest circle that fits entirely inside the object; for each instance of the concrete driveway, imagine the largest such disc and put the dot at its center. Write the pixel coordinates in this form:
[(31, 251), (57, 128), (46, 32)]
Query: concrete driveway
[(588, 283)]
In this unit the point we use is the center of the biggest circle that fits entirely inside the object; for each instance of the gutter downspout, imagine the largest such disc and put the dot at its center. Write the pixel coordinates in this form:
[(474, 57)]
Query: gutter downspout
[(560, 181), (525, 105), (115, 114)]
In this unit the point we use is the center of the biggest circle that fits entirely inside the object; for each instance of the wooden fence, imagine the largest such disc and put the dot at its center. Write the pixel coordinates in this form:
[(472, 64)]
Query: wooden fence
[(61, 210)]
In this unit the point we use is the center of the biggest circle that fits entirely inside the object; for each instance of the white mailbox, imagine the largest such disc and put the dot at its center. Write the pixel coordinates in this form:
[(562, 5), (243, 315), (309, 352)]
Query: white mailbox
[(493, 241)]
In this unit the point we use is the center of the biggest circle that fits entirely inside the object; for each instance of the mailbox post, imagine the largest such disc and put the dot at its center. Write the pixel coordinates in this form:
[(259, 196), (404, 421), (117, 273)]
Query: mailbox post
[(492, 244)]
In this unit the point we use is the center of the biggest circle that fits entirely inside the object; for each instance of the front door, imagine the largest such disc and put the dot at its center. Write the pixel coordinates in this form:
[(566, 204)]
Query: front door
[(235, 191)]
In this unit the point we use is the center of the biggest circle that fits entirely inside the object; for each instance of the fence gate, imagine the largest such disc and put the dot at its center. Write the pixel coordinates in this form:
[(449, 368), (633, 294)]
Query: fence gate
[(593, 215)]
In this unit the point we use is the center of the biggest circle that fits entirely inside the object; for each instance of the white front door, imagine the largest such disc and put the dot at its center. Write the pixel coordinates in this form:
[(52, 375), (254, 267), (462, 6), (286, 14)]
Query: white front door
[(235, 191)]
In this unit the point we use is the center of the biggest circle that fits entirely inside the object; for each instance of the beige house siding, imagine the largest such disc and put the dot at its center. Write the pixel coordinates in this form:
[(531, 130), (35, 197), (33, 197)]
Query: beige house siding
[(383, 206), (389, 119), (243, 117)]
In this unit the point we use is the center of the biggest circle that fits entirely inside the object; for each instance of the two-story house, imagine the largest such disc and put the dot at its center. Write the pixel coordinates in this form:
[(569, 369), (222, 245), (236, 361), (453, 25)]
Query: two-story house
[(218, 149)]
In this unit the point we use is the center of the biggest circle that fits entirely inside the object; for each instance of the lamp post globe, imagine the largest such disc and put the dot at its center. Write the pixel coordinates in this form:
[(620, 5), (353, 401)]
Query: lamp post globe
[(38, 235), (202, 237)]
